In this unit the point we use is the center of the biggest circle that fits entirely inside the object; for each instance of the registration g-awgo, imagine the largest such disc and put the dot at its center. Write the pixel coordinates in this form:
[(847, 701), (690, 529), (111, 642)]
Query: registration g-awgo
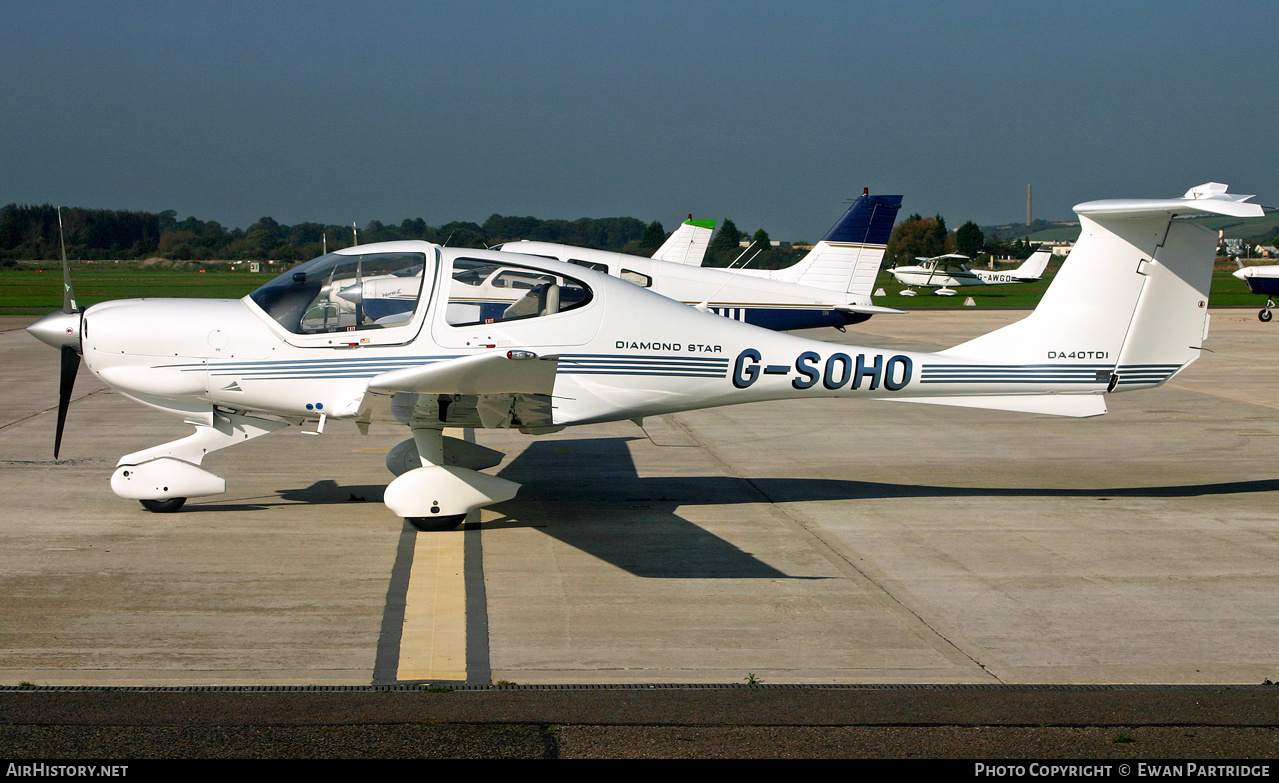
[(567, 346)]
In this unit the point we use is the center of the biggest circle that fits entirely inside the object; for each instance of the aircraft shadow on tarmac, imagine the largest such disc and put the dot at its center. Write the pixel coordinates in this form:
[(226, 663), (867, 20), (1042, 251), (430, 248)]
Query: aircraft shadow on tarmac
[(588, 494)]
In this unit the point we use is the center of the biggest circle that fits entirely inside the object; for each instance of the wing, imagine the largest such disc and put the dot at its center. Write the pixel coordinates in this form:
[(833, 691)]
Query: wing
[(506, 388)]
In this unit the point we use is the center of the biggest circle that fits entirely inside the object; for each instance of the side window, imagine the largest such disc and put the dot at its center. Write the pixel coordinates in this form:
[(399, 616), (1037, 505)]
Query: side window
[(643, 281), (590, 265), (486, 292), (524, 281)]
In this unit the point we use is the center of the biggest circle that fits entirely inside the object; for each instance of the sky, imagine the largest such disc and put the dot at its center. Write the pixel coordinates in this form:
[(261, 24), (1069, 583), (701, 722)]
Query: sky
[(773, 115)]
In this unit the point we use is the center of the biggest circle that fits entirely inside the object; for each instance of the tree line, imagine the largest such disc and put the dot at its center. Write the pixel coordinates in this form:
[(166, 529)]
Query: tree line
[(924, 237), (30, 232)]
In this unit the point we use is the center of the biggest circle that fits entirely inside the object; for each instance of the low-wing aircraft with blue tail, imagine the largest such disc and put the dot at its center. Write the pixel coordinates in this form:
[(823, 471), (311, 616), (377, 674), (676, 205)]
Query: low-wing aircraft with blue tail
[(1262, 280), (830, 286), (1127, 311)]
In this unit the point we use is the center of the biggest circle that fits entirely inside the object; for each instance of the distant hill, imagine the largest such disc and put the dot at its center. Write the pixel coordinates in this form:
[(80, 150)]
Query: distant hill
[(1257, 231)]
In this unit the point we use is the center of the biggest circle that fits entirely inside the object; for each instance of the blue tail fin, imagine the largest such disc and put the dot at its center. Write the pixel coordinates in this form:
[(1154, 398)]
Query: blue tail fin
[(848, 257)]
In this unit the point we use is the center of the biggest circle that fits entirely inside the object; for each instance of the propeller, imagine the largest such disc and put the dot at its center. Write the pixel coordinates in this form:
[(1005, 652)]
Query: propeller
[(63, 330), (70, 354)]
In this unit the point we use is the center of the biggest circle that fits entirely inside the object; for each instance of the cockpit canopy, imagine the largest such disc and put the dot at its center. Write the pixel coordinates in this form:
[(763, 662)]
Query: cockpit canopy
[(949, 263), (346, 292)]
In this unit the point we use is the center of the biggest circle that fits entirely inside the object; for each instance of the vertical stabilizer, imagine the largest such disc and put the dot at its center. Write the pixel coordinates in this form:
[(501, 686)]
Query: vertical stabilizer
[(688, 243), (1033, 268), (1131, 300), (848, 257)]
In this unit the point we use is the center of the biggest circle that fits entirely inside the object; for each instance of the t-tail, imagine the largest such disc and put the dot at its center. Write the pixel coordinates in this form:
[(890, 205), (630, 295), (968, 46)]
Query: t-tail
[(848, 257), (1129, 309), (688, 243)]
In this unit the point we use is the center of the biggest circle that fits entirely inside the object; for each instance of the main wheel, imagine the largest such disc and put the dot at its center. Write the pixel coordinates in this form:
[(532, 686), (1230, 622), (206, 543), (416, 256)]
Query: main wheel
[(428, 524), (1264, 316), (163, 506)]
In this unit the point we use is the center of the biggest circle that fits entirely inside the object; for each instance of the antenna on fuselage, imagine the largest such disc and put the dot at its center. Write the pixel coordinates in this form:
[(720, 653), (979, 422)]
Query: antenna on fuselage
[(705, 303)]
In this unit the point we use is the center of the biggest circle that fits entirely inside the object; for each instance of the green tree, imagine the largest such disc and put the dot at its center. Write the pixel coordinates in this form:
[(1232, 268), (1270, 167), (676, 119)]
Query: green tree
[(761, 240), (728, 237), (916, 236), (969, 239), (654, 236)]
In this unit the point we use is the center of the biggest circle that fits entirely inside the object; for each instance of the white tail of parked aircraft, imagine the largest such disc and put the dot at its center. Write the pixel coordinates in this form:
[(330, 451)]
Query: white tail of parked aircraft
[(1130, 305), (688, 243), (1033, 267)]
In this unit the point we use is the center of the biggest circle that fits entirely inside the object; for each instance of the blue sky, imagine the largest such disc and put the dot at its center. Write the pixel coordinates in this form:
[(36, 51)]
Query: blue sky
[(771, 114)]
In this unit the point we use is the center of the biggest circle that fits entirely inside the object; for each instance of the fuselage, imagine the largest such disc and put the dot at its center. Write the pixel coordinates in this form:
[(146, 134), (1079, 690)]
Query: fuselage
[(1260, 279), (734, 294), (952, 276), (619, 350)]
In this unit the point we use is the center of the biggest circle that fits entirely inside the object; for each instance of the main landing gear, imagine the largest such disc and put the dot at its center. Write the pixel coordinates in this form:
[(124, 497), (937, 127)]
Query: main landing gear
[(163, 506), (428, 524), (438, 480)]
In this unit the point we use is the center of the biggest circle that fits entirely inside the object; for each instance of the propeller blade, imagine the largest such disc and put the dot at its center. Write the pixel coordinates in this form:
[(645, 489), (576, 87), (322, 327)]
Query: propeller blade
[(66, 382), (68, 294)]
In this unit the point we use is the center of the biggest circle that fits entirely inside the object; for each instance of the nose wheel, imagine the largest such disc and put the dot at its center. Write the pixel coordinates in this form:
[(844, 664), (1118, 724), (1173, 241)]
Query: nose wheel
[(163, 506), (1265, 315)]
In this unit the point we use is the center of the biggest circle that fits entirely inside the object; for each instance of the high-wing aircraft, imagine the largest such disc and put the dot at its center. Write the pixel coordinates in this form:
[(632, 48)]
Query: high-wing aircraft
[(948, 272), (1262, 280), (830, 286), (566, 345)]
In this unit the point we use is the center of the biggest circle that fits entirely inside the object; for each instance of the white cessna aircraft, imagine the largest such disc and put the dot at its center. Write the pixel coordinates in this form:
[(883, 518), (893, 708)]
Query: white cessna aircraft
[(830, 286), (1127, 311), (949, 271)]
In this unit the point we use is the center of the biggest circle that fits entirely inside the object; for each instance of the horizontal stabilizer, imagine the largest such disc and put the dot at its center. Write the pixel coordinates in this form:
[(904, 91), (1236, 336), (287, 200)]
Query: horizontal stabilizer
[(481, 373), (1074, 405), (869, 309), (1210, 197)]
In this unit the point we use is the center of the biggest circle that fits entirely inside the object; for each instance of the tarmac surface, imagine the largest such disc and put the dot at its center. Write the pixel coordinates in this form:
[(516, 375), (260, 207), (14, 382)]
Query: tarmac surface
[(868, 554)]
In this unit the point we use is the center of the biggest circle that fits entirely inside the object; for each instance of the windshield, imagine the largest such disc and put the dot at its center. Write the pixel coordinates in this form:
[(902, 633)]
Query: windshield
[(345, 292)]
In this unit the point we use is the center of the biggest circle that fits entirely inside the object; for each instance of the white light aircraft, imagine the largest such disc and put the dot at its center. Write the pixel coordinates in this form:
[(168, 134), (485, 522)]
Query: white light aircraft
[(830, 286), (948, 272), (1127, 311)]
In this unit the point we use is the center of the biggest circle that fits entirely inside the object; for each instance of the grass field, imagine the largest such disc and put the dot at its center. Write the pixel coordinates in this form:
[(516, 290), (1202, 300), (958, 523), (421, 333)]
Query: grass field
[(1227, 291), (37, 290)]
